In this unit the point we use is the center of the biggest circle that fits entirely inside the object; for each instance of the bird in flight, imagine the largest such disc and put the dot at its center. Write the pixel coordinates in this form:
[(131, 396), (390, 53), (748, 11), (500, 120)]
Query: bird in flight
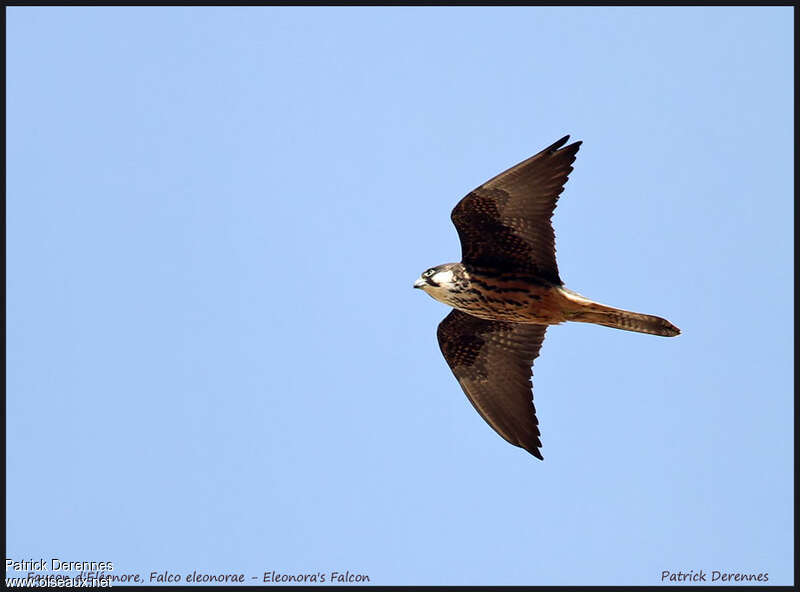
[(507, 290)]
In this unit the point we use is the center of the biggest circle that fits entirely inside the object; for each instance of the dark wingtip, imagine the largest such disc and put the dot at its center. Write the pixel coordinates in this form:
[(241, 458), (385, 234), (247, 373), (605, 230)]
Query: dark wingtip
[(555, 147), (558, 144), (534, 450)]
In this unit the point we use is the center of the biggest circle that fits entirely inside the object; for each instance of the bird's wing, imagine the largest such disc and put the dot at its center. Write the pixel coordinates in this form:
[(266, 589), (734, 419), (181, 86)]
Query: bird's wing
[(492, 361), (504, 225)]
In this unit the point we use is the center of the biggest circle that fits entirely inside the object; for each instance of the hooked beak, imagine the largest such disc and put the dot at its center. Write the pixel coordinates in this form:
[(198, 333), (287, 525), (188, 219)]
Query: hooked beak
[(419, 283)]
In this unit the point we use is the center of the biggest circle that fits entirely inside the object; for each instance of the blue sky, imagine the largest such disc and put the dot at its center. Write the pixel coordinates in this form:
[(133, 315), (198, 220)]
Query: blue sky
[(216, 361)]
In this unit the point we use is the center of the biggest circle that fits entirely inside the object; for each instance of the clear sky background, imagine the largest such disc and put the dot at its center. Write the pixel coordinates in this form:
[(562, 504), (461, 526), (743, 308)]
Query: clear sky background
[(216, 360)]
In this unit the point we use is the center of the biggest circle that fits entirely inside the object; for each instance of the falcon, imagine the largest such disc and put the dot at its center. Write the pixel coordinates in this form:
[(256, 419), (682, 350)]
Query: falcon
[(507, 290)]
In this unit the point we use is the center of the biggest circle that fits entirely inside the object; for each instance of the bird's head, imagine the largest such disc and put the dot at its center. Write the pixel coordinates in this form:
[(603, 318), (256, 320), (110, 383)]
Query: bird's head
[(442, 281)]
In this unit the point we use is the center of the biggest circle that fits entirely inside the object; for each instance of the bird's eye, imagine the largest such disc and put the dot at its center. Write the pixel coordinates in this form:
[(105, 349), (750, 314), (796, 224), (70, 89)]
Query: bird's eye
[(428, 273)]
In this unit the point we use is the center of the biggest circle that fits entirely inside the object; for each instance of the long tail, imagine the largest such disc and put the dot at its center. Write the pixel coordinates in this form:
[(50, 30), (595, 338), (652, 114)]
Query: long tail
[(608, 316)]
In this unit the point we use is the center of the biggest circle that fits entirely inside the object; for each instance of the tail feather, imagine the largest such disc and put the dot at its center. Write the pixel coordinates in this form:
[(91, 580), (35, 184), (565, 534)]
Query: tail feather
[(630, 321), (608, 316)]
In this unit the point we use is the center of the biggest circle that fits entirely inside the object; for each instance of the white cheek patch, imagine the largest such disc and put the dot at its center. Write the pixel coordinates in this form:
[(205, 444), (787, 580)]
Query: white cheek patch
[(443, 278)]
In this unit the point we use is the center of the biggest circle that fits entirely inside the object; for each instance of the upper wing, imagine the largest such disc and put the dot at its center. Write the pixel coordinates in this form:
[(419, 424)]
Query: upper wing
[(492, 361), (504, 225)]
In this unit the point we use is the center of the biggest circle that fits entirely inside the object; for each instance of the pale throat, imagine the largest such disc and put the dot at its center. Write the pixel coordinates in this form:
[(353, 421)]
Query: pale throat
[(443, 278)]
